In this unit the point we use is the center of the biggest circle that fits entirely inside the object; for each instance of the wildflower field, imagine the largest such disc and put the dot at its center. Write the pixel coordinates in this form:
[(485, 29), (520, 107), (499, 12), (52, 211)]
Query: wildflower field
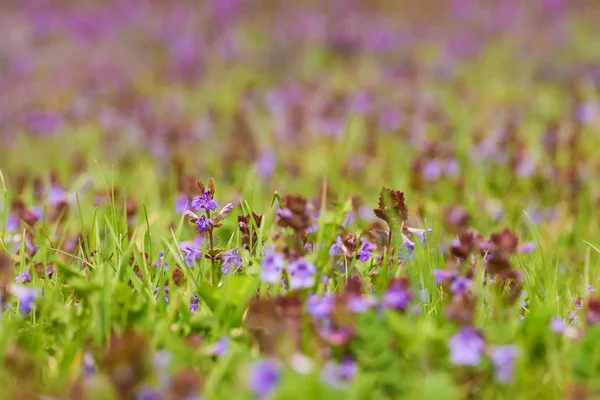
[(259, 199)]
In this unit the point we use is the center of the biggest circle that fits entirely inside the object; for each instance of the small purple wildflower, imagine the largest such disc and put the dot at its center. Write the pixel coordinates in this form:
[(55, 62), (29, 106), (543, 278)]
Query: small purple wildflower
[(203, 223), (89, 365), (302, 274), (204, 202), (266, 164), (272, 267), (557, 325), (460, 284), (527, 247), (231, 259), (56, 195), (503, 358), (319, 306), (225, 211), (165, 291), (339, 375), (337, 248), (590, 289), (420, 232), (25, 296), (194, 303), (409, 247), (358, 304), (23, 277), (264, 377), (182, 203), (366, 249), (190, 253), (442, 275), (466, 347), (160, 261), (220, 346), (432, 170), (397, 297)]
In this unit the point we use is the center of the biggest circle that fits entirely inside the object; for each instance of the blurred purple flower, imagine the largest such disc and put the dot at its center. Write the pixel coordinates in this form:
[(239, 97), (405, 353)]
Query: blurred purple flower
[(264, 377), (527, 247), (160, 261), (390, 119), (319, 306), (557, 325), (432, 170), (358, 304), (194, 303), (365, 250), (204, 202), (165, 293), (302, 274), (337, 248), (23, 277), (231, 259), (89, 365), (266, 164), (25, 296), (420, 232), (442, 275), (466, 347), (190, 253), (590, 289), (460, 284), (397, 296), (272, 267), (220, 346), (503, 358), (361, 103), (182, 203), (339, 375)]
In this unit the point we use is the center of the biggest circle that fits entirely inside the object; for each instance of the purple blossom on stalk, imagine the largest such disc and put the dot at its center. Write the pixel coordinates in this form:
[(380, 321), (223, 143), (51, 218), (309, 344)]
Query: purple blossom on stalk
[(272, 267), (225, 211), (460, 284), (165, 292), (182, 202), (442, 275), (204, 202), (420, 232), (339, 375), (398, 296), (319, 306), (160, 261), (23, 277), (190, 254), (365, 250), (408, 246), (203, 223), (231, 259), (557, 325), (338, 247), (302, 274), (503, 358), (194, 303), (466, 347), (264, 377), (25, 296)]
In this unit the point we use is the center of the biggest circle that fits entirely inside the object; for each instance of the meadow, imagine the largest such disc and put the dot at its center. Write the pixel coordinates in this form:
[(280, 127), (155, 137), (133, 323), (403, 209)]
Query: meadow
[(347, 199)]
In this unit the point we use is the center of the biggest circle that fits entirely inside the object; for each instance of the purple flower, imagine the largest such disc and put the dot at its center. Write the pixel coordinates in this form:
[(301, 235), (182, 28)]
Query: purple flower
[(227, 208), (24, 277), (204, 202), (358, 304), (466, 347), (397, 297), (266, 164), (12, 222), (264, 377), (89, 365), (25, 296), (203, 223), (194, 303), (220, 346), (319, 306), (231, 259), (339, 375), (165, 292), (503, 358), (190, 253), (160, 261), (441, 275), (365, 251), (527, 247), (338, 247), (590, 288), (182, 203), (302, 274), (56, 195), (420, 232), (273, 264), (460, 284), (557, 325), (409, 246), (432, 170)]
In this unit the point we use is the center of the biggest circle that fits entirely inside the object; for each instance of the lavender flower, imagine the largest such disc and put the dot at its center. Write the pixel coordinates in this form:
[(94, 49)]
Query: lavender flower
[(397, 297), (204, 202), (338, 247), (366, 249), (319, 306), (273, 265), (23, 277), (503, 358), (339, 375), (432, 170), (165, 291), (264, 377), (358, 304), (160, 261), (194, 303), (527, 247), (460, 284), (203, 223), (557, 325), (466, 347), (182, 203), (590, 289), (227, 208), (420, 233), (231, 259), (190, 254), (441, 275), (266, 164), (220, 346), (302, 274), (25, 296), (409, 246)]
